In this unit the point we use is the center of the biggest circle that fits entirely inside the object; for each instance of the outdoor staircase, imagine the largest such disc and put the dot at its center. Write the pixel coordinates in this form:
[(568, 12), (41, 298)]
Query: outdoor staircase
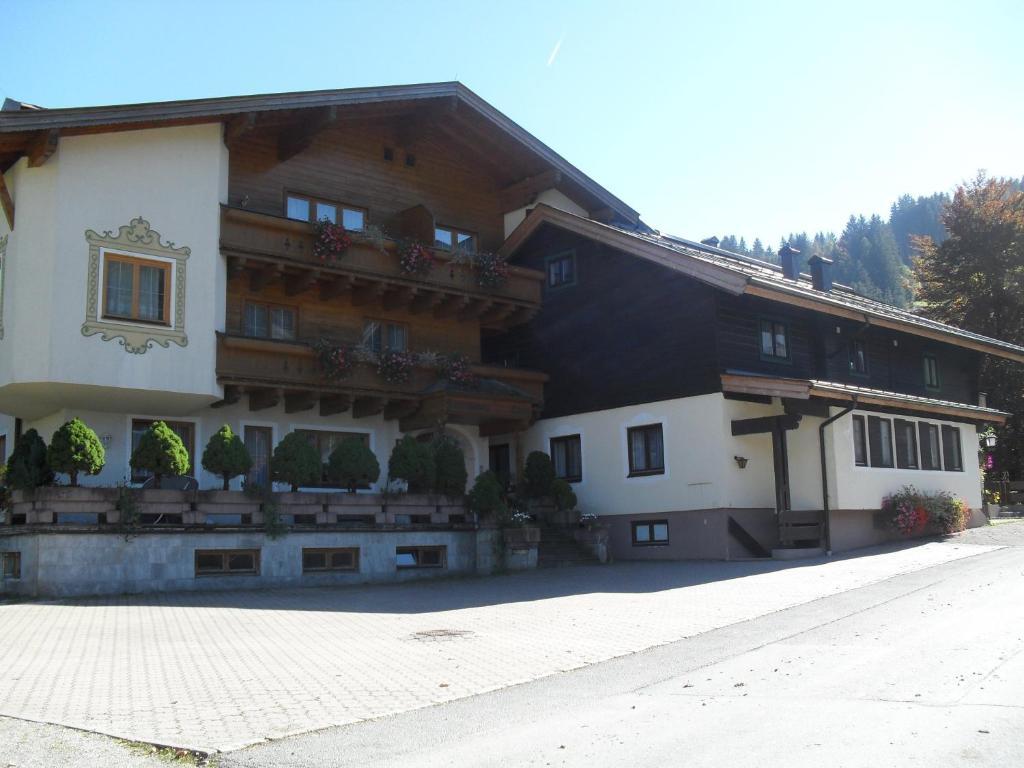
[(558, 548), (801, 535)]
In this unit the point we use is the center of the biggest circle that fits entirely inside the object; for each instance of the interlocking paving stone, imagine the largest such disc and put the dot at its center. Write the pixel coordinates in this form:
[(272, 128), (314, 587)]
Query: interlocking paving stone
[(218, 671)]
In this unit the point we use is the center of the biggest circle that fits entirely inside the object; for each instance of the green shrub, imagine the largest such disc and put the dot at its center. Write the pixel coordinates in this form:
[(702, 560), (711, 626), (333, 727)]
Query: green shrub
[(226, 455), (563, 496), (295, 462), (161, 452), (450, 468), (413, 462), (538, 475), (486, 498), (352, 464), (75, 448), (27, 467), (911, 511)]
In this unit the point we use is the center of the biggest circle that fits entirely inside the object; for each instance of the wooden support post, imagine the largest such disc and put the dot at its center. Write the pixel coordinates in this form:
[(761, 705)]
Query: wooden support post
[(370, 293), (261, 399), (301, 282), (334, 404), (453, 305), (368, 406), (43, 147), (337, 287), (237, 127), (425, 301), (232, 394), (295, 402), (400, 409), (260, 278)]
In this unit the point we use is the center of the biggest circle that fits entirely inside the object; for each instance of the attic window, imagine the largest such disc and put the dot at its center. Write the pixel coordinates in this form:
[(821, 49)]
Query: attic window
[(410, 160)]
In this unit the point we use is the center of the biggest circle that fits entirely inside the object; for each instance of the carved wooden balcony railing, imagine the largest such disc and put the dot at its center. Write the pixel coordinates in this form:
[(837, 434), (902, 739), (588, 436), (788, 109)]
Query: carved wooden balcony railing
[(272, 248), (270, 373)]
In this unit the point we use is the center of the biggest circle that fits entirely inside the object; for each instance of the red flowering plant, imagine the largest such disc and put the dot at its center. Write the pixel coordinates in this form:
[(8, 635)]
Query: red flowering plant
[(330, 240), (336, 360), (415, 258), (396, 366), (491, 270), (911, 511), (457, 369)]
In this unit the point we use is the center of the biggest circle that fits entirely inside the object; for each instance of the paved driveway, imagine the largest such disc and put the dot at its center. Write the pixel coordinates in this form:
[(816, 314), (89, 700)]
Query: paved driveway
[(218, 671)]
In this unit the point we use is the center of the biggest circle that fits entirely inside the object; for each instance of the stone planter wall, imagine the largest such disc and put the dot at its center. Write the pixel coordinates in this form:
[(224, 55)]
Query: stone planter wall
[(594, 538)]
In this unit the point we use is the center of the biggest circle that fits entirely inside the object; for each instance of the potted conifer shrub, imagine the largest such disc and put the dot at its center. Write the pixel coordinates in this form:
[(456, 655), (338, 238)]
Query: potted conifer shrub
[(226, 455), (352, 464), (295, 462), (75, 448), (449, 468), (161, 452), (27, 467), (413, 462)]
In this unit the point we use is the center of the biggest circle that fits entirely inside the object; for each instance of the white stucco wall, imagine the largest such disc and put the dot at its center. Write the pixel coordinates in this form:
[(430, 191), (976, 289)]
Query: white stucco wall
[(702, 473), (114, 429), (551, 197), (174, 178)]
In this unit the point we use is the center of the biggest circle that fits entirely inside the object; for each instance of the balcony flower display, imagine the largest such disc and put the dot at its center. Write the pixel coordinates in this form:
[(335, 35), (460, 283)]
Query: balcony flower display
[(395, 366), (491, 270), (330, 241), (911, 512), (336, 360), (414, 258), (457, 369)]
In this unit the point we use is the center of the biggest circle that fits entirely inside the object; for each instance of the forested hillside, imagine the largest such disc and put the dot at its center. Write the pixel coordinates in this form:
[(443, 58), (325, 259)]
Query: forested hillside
[(872, 255)]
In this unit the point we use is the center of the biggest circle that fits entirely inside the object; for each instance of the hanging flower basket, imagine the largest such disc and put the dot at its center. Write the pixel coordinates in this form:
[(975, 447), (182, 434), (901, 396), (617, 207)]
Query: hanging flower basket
[(414, 258), (457, 369), (330, 241), (396, 367), (335, 360), (491, 270)]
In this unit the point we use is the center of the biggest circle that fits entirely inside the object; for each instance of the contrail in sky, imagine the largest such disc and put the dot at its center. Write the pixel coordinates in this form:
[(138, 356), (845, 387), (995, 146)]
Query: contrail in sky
[(555, 50)]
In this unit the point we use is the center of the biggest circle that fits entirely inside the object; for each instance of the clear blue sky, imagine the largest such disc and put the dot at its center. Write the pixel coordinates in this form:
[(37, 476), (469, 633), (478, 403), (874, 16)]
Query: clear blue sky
[(709, 118)]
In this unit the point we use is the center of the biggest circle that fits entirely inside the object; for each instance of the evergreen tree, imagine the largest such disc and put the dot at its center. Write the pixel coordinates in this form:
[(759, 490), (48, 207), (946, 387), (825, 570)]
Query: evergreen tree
[(353, 464), (27, 467), (295, 462), (450, 468), (226, 455), (413, 462), (161, 452), (75, 448)]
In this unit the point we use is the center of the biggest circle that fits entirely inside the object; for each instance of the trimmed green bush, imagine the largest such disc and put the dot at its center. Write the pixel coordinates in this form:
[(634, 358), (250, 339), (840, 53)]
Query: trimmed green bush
[(27, 467), (563, 496), (295, 462), (226, 455), (486, 498), (450, 468), (538, 475), (161, 452), (75, 448), (353, 464), (413, 462)]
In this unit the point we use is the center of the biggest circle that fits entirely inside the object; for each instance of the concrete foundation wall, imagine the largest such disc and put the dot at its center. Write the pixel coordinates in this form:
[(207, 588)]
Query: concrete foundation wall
[(693, 534), (66, 564)]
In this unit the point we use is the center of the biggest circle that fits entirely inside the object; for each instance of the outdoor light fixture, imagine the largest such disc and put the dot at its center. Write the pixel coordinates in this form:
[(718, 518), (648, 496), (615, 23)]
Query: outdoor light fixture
[(741, 461), (990, 441)]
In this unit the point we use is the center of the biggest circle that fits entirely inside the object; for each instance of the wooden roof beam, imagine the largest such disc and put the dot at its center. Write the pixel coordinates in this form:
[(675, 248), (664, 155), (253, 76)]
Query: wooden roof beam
[(300, 135), (368, 406), (237, 127), (340, 286), (295, 402), (524, 192), (331, 405), (43, 147), (400, 409), (475, 309), (6, 202), (301, 282), (369, 293), (261, 399), (260, 278), (451, 306), (400, 297), (425, 301)]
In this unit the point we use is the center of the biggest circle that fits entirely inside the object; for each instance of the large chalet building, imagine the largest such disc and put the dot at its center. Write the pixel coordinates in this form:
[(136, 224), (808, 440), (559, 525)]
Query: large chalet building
[(157, 262)]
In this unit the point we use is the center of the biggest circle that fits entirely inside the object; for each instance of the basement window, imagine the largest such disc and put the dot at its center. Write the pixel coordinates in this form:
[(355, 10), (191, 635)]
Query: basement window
[(344, 559), (650, 533), (10, 565), (421, 557), (218, 562)]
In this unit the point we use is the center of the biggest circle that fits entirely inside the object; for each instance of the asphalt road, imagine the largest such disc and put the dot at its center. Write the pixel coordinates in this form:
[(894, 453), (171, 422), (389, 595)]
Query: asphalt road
[(924, 669)]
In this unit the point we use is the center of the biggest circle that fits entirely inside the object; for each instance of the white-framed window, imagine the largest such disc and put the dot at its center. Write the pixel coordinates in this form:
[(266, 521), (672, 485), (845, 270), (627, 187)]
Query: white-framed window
[(906, 443), (306, 208), (650, 533)]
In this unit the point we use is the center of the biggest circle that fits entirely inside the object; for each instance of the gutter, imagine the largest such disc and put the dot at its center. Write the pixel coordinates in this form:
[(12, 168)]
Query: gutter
[(824, 471)]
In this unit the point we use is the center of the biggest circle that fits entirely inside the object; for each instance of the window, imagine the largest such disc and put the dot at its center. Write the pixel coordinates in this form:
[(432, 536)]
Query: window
[(10, 565), (931, 372), (325, 442), (303, 208), (561, 269), (500, 462), (906, 444), (646, 450), (567, 456), (774, 340), (269, 321), (186, 430), (346, 559), (930, 452), (653, 533), (421, 557), (952, 459), (860, 442), (379, 336), (880, 441), (136, 289), (212, 562), (454, 239), (858, 357)]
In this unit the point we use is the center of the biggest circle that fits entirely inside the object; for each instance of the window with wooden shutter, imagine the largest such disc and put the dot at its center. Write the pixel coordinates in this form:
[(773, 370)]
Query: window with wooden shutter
[(931, 457), (952, 458), (906, 444), (880, 441)]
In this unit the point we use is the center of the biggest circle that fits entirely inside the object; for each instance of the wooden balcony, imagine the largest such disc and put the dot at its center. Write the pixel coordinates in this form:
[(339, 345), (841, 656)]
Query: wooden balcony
[(271, 248), (269, 373)]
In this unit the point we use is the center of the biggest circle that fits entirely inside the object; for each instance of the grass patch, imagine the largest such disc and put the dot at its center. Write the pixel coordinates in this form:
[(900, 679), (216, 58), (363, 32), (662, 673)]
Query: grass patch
[(172, 755)]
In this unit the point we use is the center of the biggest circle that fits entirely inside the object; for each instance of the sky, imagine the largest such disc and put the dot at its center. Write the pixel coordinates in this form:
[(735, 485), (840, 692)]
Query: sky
[(754, 119)]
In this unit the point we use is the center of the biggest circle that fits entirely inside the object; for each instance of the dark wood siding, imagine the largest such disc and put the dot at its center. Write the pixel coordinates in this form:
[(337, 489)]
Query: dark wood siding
[(626, 332), (739, 339)]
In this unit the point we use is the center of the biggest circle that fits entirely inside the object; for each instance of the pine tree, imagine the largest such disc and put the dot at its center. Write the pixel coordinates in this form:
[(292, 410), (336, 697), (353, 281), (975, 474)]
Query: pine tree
[(226, 455), (161, 452), (75, 448)]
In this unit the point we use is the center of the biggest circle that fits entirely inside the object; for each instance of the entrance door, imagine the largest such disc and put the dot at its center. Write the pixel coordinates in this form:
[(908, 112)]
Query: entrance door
[(780, 454), (258, 441)]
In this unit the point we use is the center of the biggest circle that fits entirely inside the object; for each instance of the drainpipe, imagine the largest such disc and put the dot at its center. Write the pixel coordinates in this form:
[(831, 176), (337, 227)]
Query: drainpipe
[(824, 471)]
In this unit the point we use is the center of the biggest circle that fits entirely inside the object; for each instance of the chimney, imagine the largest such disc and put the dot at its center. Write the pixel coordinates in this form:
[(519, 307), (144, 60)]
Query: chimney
[(712, 241), (787, 256), (821, 272)]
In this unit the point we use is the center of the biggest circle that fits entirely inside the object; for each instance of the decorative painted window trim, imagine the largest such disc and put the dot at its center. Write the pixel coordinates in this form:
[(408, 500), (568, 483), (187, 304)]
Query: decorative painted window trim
[(135, 239), (3, 280)]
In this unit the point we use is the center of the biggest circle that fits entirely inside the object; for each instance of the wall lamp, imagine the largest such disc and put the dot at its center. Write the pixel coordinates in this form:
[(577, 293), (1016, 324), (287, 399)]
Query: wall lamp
[(741, 461)]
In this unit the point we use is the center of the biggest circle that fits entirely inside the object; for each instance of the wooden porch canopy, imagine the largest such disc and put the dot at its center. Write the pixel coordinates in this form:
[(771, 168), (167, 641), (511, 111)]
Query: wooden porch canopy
[(806, 389)]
